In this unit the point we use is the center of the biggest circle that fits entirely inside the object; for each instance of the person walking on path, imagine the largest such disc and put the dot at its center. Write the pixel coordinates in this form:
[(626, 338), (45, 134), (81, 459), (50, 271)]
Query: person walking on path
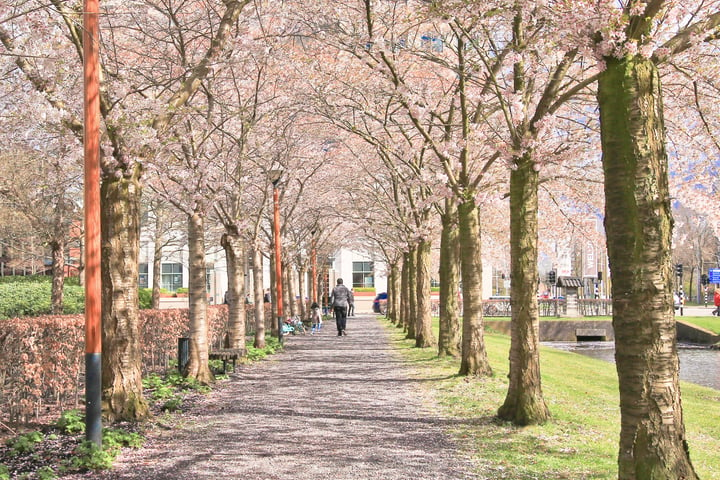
[(716, 300), (339, 301), (360, 401)]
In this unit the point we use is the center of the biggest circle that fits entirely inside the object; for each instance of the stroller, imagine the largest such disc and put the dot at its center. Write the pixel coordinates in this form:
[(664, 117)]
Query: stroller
[(293, 325)]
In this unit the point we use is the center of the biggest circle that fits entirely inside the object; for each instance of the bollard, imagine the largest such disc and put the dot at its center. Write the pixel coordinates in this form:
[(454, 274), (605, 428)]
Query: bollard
[(183, 353)]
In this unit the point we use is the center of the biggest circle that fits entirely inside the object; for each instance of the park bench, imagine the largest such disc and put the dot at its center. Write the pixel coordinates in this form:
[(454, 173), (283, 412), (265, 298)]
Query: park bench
[(227, 355)]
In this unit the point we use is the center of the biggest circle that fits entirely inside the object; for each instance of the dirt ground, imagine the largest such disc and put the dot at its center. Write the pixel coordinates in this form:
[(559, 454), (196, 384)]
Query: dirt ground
[(327, 407)]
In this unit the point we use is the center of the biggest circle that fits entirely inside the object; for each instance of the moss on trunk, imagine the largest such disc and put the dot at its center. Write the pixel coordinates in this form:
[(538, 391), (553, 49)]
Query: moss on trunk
[(121, 366), (474, 359), (424, 336), (638, 223), (524, 403), (449, 336)]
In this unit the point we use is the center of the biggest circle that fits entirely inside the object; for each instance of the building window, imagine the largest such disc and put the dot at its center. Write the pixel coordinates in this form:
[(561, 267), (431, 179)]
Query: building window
[(172, 276), (363, 276), (143, 280)]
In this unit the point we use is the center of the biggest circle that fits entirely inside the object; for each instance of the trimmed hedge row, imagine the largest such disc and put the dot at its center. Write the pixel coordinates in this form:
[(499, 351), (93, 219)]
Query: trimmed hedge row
[(23, 299), (43, 360)]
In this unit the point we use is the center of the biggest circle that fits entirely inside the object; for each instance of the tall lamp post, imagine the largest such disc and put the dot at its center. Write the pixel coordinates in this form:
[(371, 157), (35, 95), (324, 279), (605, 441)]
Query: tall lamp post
[(275, 179), (93, 333)]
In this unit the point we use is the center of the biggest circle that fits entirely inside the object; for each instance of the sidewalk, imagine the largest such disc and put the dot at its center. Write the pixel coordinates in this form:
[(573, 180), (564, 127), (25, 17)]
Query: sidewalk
[(327, 407)]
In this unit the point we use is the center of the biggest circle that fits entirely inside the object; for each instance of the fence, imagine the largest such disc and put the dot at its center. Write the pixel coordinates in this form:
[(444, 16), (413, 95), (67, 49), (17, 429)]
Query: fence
[(42, 358)]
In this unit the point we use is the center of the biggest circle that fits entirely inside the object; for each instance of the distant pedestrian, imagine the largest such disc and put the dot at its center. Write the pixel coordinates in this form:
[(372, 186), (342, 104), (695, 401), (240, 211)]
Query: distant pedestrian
[(716, 300), (315, 318), (351, 304), (266, 297), (339, 302)]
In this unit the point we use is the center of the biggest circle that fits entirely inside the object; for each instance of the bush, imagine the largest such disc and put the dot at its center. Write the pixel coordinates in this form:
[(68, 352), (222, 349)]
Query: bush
[(145, 296), (28, 299), (37, 279), (364, 289)]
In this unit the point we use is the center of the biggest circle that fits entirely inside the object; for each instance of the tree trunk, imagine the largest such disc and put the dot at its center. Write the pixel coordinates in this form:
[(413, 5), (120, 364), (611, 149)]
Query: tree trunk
[(157, 259), (121, 360), (638, 223), (289, 297), (404, 292), (259, 297), (449, 336), (524, 403), (424, 336), (393, 293), (302, 307), (58, 274), (198, 367), (273, 297), (411, 266), (474, 359), (234, 248)]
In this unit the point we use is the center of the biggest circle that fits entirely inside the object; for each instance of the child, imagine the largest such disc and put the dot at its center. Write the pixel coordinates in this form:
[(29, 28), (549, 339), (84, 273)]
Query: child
[(315, 318)]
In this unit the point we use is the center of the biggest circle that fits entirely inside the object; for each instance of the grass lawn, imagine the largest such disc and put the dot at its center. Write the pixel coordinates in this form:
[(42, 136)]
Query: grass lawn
[(708, 323), (580, 441)]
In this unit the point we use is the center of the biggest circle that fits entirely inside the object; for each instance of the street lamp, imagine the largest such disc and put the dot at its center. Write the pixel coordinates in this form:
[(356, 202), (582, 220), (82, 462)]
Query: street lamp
[(274, 176), (93, 286)]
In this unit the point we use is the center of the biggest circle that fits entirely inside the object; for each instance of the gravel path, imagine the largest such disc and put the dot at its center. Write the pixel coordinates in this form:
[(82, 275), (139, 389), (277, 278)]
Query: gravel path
[(327, 407)]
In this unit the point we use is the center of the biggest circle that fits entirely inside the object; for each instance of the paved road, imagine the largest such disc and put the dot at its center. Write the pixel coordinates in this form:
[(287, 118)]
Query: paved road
[(328, 407)]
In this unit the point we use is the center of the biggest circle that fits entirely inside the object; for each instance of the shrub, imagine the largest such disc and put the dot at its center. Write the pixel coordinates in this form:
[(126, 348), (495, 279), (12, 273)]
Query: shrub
[(145, 297), (27, 299), (71, 421), (25, 443)]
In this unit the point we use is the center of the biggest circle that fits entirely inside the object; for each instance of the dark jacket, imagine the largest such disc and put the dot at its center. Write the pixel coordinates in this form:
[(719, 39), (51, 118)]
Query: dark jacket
[(340, 296)]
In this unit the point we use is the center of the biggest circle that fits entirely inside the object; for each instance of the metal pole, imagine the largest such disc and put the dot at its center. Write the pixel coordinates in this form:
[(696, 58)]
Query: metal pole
[(93, 335), (278, 260)]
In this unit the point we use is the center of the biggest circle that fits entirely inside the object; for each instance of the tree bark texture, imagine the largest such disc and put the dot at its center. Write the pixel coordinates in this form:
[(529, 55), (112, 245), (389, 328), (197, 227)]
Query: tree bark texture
[(234, 248), (198, 367), (273, 297), (394, 289), (157, 259), (474, 359), (57, 247), (259, 297), (449, 336), (524, 403), (638, 224), (289, 293), (302, 307), (404, 293), (424, 336), (412, 293), (121, 367)]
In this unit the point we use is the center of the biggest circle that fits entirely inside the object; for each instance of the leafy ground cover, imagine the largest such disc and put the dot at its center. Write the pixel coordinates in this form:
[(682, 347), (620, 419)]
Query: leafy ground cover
[(579, 442), (57, 448)]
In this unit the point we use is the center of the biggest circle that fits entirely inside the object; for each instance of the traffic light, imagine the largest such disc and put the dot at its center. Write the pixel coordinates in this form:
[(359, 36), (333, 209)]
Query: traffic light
[(551, 277), (704, 279), (678, 270)]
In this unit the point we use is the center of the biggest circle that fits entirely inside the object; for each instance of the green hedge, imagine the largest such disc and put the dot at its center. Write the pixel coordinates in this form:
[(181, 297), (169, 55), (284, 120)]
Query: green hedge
[(364, 289), (36, 279), (28, 299)]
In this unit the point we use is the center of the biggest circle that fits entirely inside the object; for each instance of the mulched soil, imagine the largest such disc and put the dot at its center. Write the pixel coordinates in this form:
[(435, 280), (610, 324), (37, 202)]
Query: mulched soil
[(327, 407)]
